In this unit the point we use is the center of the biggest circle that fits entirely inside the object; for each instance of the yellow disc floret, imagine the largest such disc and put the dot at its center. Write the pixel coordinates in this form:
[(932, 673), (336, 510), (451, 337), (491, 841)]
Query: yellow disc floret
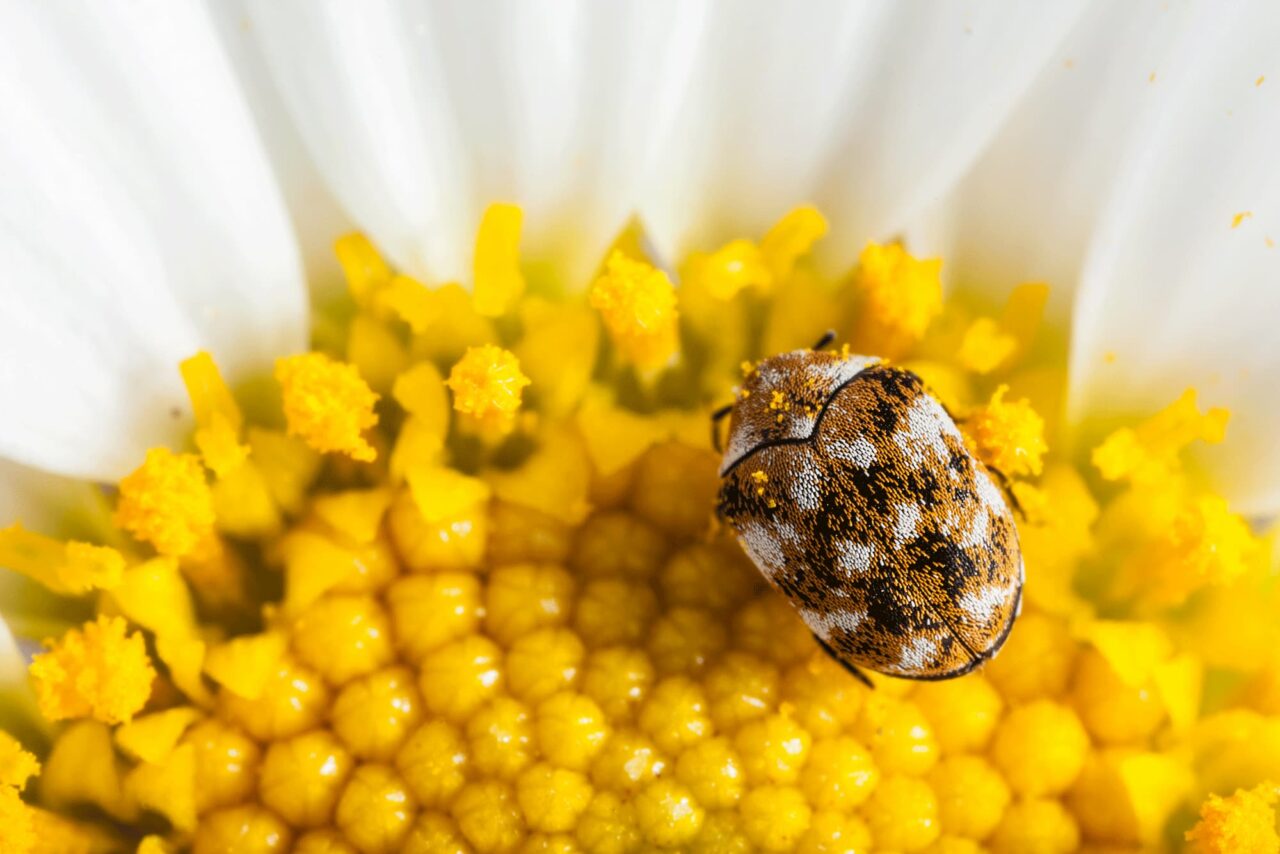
[(545, 641), (167, 503), (99, 670), (487, 385), (327, 404), (638, 304)]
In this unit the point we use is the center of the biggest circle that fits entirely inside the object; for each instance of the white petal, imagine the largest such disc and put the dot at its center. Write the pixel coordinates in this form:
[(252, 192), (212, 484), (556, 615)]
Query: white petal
[(139, 222), (363, 86), (1029, 207), (317, 216), (419, 115), (1168, 286), (872, 110)]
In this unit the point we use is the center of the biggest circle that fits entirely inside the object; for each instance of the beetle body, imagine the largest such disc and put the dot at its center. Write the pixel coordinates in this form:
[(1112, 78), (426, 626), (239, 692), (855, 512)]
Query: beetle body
[(852, 490)]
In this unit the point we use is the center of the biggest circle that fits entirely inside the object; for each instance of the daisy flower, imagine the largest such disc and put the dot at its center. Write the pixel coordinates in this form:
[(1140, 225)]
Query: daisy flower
[(357, 361)]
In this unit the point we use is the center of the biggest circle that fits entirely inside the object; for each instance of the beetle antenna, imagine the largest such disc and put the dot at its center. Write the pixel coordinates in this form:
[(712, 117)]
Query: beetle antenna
[(716, 417), (825, 340)]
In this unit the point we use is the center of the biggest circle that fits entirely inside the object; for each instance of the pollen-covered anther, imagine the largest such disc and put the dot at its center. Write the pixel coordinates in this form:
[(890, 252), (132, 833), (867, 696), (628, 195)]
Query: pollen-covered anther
[(69, 568), (327, 404), (16, 765), (167, 502), (1009, 436), (900, 296), (487, 384), (99, 670), (1244, 821), (638, 304)]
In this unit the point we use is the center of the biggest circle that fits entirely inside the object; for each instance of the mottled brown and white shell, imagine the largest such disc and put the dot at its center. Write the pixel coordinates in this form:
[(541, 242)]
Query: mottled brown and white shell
[(852, 489)]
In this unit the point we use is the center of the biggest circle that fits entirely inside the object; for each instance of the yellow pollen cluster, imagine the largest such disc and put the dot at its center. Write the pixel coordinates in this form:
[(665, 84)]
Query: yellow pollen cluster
[(1244, 821), (900, 296), (327, 404), (487, 385), (167, 503), (1008, 436), (100, 669), (638, 304), (69, 568), (538, 639)]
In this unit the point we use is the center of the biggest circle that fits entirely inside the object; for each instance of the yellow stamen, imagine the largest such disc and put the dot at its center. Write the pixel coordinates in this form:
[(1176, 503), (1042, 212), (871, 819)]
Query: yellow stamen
[(151, 738), (790, 238), (98, 670), (166, 502), (900, 296), (356, 513), (327, 404), (487, 385), (638, 304), (985, 346), (733, 267), (1149, 452), (1245, 821), (218, 418), (443, 493), (244, 665), (1009, 437), (70, 568), (16, 765), (498, 280), (363, 267), (167, 787)]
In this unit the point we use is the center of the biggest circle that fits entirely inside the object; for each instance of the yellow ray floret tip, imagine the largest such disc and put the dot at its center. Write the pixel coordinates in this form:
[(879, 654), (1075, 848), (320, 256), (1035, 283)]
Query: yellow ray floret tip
[(1009, 436), (69, 568), (99, 670), (1245, 821), (487, 384), (638, 304), (167, 502), (327, 404)]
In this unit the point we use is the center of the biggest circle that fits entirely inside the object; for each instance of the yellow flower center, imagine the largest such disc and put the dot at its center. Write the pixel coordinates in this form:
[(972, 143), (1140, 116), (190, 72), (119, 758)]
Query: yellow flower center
[(496, 613)]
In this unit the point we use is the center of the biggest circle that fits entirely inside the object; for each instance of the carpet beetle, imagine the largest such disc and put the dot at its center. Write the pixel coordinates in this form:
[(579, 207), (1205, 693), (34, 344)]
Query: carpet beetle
[(852, 490)]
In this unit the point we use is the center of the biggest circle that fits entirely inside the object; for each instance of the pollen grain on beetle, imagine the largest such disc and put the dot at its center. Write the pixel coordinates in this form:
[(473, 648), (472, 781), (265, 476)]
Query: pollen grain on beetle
[(468, 591)]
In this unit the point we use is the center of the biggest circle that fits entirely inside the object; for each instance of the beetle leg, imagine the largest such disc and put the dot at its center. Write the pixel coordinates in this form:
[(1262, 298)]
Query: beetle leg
[(857, 674), (716, 418), (1007, 486), (827, 338)]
